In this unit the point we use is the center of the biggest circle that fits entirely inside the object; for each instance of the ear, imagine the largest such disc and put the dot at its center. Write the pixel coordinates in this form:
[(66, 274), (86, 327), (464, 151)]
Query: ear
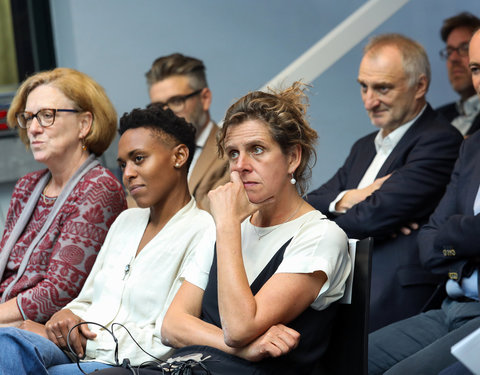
[(294, 158), (206, 98), (422, 87), (86, 121), (180, 155)]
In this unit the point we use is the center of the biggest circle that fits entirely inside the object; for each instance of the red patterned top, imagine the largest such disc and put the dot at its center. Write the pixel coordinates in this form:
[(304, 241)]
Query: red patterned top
[(64, 257)]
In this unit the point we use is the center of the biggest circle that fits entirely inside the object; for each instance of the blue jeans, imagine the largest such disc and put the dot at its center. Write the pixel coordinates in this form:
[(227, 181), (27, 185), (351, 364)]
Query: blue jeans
[(24, 352), (456, 369)]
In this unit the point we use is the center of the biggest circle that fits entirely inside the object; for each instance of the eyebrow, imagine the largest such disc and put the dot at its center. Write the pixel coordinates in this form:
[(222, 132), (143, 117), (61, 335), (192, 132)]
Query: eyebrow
[(252, 143), (473, 64), (129, 154)]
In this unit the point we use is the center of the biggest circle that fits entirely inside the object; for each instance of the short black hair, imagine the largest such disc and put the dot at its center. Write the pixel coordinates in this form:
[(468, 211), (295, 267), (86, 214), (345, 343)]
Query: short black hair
[(464, 19), (163, 121)]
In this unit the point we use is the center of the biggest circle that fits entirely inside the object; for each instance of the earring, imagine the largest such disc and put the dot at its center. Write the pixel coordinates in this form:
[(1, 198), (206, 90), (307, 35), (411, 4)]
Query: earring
[(84, 146), (177, 165), (292, 180)]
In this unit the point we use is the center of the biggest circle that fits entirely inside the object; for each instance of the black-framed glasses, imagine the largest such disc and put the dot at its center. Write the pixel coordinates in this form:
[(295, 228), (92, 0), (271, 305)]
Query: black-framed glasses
[(177, 103), (45, 117), (462, 50)]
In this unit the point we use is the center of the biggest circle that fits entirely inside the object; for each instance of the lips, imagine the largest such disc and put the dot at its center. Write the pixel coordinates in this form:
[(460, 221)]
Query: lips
[(134, 189), (248, 184)]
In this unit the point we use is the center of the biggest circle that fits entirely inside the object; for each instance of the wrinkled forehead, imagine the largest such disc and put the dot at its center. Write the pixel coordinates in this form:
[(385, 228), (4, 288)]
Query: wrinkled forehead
[(162, 91), (247, 132), (378, 67)]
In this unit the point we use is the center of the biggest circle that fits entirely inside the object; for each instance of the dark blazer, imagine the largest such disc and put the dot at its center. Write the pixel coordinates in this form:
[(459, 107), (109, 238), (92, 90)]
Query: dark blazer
[(421, 164), (449, 244), (450, 112)]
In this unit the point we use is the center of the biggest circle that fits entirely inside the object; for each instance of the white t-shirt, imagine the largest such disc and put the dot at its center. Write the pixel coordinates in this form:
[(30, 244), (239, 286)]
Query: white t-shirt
[(318, 244), (136, 291)]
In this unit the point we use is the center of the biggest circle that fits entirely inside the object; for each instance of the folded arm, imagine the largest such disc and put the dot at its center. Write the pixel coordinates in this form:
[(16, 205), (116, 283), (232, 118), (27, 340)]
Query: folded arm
[(409, 195), (451, 234), (182, 326)]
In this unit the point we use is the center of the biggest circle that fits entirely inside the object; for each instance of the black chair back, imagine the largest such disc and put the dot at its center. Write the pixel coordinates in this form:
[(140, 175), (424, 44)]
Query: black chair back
[(347, 353)]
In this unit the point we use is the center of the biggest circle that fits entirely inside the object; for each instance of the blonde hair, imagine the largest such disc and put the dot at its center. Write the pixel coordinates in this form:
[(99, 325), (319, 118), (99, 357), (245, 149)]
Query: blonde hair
[(284, 113), (87, 96)]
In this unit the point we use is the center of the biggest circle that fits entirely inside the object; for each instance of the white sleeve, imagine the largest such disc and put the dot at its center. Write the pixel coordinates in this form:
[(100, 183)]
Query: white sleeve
[(199, 268), (320, 246), (331, 207)]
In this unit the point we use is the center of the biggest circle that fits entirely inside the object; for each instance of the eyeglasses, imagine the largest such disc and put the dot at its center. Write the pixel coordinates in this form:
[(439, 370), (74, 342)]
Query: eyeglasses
[(45, 117), (177, 103), (462, 51)]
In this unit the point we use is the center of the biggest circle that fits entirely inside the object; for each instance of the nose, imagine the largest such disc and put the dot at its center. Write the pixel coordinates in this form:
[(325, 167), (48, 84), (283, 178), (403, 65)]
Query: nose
[(454, 55), (241, 164), (370, 99), (34, 127), (129, 172)]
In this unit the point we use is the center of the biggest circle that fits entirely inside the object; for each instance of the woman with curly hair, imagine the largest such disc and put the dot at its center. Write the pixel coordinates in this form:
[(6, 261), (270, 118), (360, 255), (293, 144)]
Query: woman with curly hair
[(278, 264)]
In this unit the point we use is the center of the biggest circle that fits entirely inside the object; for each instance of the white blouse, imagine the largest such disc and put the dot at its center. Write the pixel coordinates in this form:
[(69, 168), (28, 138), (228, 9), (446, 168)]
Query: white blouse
[(136, 291), (318, 244)]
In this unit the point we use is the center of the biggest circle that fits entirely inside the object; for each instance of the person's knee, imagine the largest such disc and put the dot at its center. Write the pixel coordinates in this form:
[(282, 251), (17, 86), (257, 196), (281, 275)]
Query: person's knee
[(11, 338)]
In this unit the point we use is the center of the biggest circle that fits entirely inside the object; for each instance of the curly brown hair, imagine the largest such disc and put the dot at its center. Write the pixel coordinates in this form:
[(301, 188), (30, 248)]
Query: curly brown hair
[(284, 113)]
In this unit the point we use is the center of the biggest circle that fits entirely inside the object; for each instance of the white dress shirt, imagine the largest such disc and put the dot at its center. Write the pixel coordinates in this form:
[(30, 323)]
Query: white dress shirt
[(384, 147), (467, 110)]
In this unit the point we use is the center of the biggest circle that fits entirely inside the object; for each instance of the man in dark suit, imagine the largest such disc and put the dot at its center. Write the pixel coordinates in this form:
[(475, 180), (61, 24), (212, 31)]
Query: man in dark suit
[(450, 246), (456, 32), (180, 83), (393, 177)]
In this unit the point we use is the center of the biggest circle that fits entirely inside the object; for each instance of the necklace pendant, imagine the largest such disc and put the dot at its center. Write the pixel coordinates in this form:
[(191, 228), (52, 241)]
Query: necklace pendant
[(127, 270)]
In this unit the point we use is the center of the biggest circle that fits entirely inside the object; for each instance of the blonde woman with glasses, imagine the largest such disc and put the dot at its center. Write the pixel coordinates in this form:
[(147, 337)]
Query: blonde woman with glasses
[(59, 216)]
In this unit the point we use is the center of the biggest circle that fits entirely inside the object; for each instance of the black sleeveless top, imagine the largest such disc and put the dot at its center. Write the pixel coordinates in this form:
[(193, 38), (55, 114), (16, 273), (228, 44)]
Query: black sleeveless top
[(314, 326)]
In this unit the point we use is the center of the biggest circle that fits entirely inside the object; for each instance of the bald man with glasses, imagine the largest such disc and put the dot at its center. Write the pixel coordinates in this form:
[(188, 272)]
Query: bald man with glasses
[(179, 83), (456, 32)]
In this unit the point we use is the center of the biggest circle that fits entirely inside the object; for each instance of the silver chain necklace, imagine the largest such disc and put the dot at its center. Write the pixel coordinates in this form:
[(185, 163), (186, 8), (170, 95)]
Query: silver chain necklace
[(261, 235)]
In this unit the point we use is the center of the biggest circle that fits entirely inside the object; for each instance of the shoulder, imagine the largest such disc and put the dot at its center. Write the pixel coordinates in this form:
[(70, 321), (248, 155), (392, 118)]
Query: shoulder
[(30, 179), (433, 121), (102, 185), (101, 177), (25, 186), (448, 110), (201, 220), (130, 219), (318, 230), (472, 144), (365, 140), (433, 129)]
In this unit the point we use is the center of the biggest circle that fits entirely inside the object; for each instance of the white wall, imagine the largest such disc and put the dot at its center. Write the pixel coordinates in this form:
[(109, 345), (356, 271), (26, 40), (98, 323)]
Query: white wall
[(244, 44)]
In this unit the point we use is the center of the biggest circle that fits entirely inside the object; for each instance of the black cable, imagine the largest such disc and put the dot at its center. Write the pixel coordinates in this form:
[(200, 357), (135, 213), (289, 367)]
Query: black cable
[(76, 355), (135, 341), (173, 368), (126, 361)]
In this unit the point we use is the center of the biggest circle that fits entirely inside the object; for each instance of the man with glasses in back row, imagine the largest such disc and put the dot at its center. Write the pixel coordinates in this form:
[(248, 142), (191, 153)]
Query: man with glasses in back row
[(456, 32), (179, 82)]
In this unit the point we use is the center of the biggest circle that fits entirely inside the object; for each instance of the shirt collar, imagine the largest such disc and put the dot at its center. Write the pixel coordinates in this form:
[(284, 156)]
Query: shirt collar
[(202, 139), (389, 142), (469, 107)]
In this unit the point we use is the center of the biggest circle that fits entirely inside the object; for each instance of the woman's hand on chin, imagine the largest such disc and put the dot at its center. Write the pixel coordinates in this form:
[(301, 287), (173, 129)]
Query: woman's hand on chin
[(230, 202)]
